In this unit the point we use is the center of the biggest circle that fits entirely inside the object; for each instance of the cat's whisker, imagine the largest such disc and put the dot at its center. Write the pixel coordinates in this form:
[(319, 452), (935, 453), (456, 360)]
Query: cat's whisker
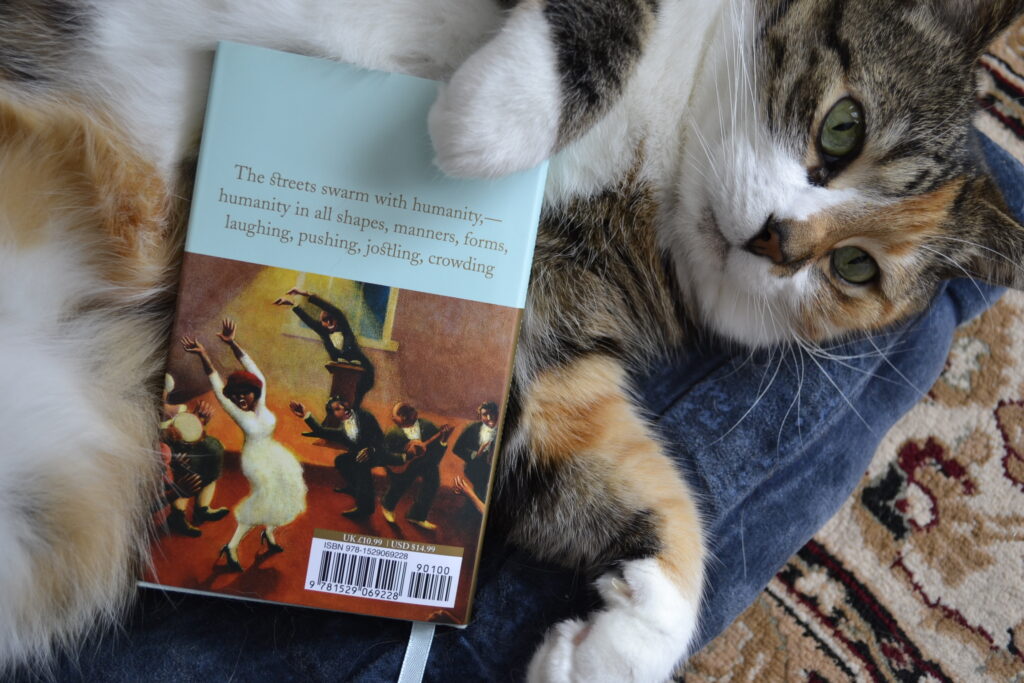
[(845, 398), (734, 70), (694, 166), (826, 353), (799, 394), (794, 353), (721, 122), (885, 357), (854, 368), (846, 360), (940, 130), (982, 247), (762, 392), (778, 331), (747, 81), (762, 314), (749, 89), (762, 389), (704, 146)]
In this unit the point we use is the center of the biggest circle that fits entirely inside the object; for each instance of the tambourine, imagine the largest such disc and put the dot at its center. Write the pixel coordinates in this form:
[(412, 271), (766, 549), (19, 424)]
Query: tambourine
[(184, 428)]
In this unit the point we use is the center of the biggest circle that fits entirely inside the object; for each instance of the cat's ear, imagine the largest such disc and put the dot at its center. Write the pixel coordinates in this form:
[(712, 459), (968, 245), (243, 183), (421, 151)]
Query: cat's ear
[(978, 22), (989, 239)]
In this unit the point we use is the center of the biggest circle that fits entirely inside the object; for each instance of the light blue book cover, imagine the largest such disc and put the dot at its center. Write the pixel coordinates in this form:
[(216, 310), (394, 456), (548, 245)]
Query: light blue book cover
[(317, 166), (343, 347)]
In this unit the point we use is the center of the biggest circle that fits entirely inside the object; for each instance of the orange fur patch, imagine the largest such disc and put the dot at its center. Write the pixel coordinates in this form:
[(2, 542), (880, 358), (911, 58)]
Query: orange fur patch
[(903, 225), (564, 405), (896, 228), (893, 235), (583, 411), (66, 173)]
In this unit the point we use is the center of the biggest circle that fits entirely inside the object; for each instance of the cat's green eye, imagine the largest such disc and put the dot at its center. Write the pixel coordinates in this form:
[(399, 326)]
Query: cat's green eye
[(842, 133), (854, 265)]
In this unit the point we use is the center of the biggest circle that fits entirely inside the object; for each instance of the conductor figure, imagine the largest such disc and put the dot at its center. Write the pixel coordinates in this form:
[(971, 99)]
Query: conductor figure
[(339, 341)]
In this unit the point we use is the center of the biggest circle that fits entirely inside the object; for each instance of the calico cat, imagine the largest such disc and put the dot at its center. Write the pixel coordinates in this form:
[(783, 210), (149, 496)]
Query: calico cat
[(770, 171)]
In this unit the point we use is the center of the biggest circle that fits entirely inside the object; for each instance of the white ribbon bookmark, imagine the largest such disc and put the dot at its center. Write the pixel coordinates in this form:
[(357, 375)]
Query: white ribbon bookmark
[(416, 652)]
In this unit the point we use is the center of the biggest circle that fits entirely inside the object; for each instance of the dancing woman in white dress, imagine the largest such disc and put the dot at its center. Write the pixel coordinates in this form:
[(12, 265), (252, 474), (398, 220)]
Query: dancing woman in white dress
[(277, 492)]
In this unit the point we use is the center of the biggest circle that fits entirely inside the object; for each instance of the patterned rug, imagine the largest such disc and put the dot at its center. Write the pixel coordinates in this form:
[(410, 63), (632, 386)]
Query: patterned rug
[(920, 576)]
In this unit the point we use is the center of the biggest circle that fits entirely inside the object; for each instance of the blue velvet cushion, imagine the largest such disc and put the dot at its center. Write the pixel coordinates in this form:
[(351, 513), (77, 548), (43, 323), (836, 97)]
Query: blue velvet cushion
[(773, 444)]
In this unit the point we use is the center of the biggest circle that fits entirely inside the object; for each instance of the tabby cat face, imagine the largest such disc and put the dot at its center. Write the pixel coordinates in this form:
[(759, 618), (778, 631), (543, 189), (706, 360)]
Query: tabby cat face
[(829, 167)]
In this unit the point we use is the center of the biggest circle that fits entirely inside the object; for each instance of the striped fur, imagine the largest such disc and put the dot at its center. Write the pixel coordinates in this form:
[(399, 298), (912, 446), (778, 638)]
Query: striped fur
[(681, 130)]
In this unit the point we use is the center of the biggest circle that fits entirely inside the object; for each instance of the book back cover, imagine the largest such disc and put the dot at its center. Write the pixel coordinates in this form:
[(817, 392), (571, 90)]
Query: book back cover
[(342, 348)]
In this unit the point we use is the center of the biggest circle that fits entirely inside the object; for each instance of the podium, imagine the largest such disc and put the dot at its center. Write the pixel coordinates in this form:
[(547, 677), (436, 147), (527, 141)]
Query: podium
[(344, 379)]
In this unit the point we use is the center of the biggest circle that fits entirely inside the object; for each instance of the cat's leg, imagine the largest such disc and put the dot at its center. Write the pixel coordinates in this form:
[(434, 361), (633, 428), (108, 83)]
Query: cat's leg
[(543, 80), (599, 491)]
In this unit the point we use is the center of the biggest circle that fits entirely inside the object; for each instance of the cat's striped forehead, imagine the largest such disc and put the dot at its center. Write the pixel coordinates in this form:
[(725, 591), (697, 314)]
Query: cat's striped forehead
[(910, 73)]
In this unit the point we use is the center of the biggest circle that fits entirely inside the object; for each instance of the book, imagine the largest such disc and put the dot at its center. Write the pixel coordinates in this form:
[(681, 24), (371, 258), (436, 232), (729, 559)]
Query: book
[(342, 347)]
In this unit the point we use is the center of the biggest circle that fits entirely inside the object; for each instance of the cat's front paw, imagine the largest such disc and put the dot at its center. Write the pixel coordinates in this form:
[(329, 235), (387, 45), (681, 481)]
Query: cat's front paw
[(641, 634), (500, 112)]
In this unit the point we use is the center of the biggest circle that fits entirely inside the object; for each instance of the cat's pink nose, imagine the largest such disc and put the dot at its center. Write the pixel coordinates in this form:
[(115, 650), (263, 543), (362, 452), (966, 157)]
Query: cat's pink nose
[(768, 242)]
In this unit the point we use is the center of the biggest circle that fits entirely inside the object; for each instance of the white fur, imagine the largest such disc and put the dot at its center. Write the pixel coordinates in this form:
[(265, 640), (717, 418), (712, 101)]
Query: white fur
[(151, 58), (74, 430), (665, 75), (500, 112), (736, 291), (641, 634)]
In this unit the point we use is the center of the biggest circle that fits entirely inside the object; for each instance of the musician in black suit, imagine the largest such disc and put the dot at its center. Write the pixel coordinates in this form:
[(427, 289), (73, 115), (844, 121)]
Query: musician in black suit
[(338, 338), (475, 446), (358, 432), (421, 444)]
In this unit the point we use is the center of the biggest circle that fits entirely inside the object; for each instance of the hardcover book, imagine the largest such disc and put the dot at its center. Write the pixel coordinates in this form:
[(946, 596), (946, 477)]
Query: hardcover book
[(342, 348)]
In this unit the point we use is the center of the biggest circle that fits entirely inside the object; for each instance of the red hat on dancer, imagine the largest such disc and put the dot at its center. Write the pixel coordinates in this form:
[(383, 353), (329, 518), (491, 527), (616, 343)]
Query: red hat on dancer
[(242, 382)]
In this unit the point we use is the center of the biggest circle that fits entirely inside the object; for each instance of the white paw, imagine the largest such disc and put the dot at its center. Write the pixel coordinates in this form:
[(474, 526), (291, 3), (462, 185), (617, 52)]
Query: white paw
[(641, 634), (500, 113)]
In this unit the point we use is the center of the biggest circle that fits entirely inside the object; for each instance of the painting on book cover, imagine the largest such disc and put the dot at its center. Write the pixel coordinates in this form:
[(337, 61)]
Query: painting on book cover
[(327, 442)]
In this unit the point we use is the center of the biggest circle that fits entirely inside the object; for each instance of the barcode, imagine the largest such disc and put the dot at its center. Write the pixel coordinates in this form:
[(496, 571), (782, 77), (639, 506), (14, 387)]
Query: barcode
[(360, 571), (377, 572), (431, 587)]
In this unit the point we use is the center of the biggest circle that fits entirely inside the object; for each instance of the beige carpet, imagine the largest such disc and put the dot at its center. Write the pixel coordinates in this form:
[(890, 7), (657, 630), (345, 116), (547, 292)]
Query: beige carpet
[(920, 576)]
